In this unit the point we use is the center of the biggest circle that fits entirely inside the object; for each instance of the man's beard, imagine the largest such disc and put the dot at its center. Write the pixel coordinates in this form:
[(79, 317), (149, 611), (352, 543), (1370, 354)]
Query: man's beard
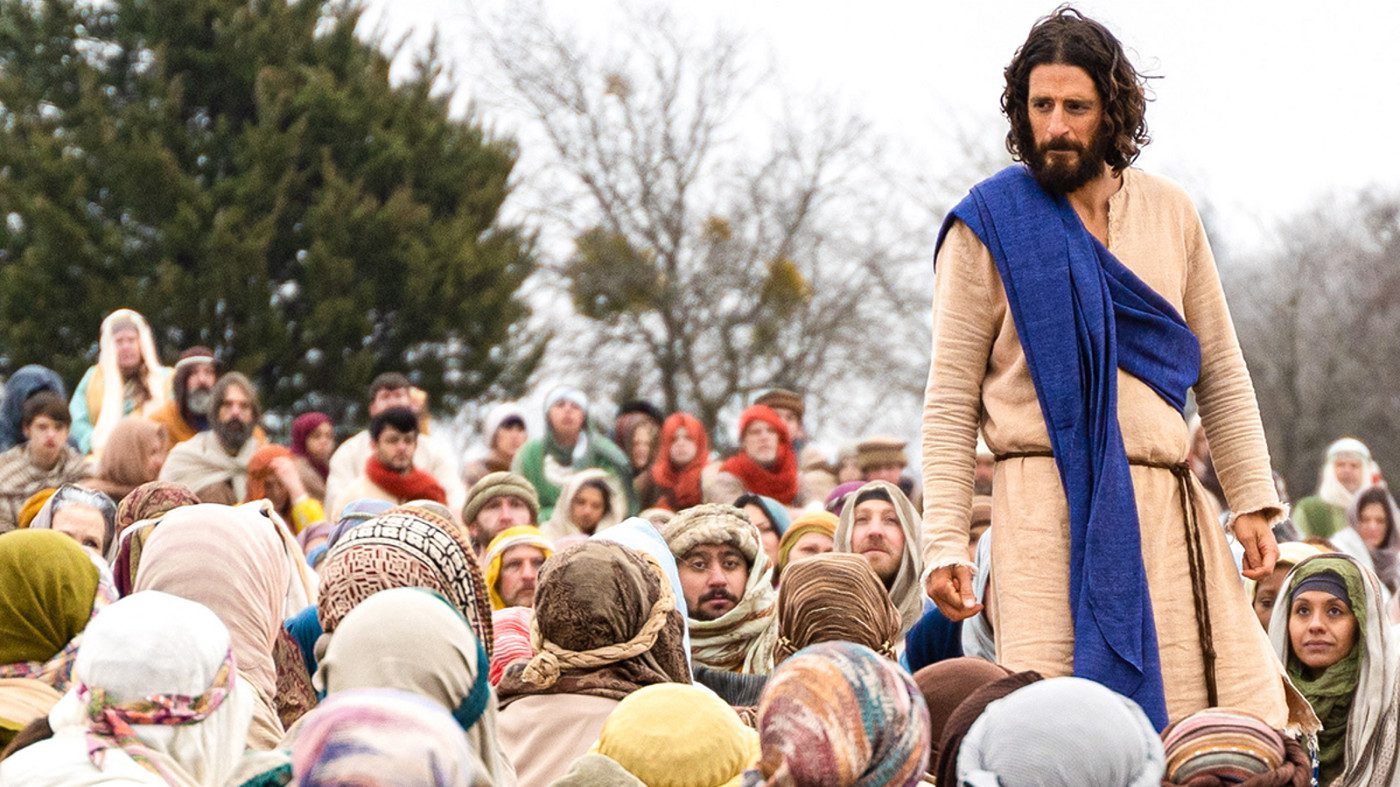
[(233, 434), (198, 401), (706, 615), (1060, 178)]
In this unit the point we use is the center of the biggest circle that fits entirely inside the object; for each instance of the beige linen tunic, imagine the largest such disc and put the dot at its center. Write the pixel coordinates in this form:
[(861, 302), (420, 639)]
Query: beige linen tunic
[(978, 376)]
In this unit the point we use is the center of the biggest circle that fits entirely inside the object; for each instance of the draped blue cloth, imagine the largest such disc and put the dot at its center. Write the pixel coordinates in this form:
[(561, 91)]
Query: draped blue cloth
[(1082, 315)]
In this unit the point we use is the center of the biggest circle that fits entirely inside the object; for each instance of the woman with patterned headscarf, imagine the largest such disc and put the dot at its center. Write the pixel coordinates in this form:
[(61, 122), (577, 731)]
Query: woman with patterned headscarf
[(50, 587), (605, 625), (128, 378), (159, 700), (1329, 630), (839, 713)]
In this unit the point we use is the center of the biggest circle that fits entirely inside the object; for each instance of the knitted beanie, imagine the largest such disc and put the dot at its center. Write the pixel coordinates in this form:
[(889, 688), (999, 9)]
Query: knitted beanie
[(711, 523), (494, 485), (680, 735)]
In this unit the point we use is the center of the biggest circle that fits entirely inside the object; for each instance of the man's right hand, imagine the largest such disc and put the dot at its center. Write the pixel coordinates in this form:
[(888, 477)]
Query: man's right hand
[(950, 587)]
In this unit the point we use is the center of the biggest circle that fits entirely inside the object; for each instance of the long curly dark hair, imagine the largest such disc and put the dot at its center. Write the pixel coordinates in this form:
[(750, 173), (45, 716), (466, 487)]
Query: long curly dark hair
[(1068, 37)]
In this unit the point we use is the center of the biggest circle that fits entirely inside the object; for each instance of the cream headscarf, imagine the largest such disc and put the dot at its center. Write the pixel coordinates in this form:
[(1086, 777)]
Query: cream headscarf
[(906, 593), (1328, 487), (157, 377), (560, 524), (414, 640)]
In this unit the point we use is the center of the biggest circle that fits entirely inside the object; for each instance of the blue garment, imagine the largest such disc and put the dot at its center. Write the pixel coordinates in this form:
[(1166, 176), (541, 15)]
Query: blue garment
[(1082, 315), (305, 628), (24, 383), (933, 639)]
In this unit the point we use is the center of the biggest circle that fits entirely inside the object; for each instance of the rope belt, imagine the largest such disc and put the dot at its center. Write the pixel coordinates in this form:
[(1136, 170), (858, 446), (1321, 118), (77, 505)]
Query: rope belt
[(1195, 557)]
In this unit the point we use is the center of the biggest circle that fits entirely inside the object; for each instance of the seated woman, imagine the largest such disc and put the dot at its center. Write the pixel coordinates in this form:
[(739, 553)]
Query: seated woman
[(1332, 637), (592, 501), (84, 515)]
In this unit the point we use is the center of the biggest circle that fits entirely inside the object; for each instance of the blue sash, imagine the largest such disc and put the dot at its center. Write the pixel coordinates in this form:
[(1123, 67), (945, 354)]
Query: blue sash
[(1082, 315)]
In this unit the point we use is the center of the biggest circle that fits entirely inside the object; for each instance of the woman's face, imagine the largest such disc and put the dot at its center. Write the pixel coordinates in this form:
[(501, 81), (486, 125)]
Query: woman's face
[(321, 442), (1372, 524), (1266, 593), (643, 440), (156, 459), (1321, 629), (586, 510), (683, 448), (770, 536), (83, 524)]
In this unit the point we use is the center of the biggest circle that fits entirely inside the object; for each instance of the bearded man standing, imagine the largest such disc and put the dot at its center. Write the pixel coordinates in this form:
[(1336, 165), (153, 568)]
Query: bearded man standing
[(1076, 301)]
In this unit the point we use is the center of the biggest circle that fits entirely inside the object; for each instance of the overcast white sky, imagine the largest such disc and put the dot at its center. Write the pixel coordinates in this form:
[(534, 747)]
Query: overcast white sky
[(1262, 108)]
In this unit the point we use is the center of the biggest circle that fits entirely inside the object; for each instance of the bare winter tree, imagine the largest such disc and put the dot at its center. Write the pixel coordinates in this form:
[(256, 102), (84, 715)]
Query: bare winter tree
[(1319, 321), (710, 257)]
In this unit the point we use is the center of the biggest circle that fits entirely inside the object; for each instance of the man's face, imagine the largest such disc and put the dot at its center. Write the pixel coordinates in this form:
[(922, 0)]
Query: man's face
[(501, 512), (46, 439), (233, 423), (791, 420), (385, 398), (877, 536), (1066, 118), (760, 442), (890, 473), (565, 421), (1349, 471), (394, 449), (713, 577), (127, 343), (201, 378), (520, 567), (83, 524)]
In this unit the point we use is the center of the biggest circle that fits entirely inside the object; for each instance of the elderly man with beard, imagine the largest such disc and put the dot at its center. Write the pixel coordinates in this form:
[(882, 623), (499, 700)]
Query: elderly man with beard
[(215, 463), (728, 586), (186, 414), (1076, 301)]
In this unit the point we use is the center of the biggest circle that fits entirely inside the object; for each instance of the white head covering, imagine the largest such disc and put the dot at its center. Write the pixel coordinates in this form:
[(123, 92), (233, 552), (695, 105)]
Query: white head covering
[(414, 640), (157, 377), (1061, 732), (149, 643), (560, 524), (497, 416), (906, 593), (1328, 487)]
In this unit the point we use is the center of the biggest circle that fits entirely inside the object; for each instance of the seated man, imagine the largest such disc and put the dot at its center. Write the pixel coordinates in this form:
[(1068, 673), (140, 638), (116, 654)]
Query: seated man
[(513, 561), (880, 524), (496, 503), (389, 473), (44, 460), (392, 389), (728, 587), (215, 463), (186, 413), (882, 459), (127, 378)]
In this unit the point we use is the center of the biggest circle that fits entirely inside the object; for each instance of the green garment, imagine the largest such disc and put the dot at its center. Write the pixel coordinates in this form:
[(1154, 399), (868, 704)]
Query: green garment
[(601, 453), (47, 584), (1331, 691), (1317, 517)]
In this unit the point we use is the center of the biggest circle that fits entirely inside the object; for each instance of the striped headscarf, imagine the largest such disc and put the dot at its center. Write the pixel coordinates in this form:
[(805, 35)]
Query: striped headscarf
[(512, 628), (834, 597), (740, 640), (839, 713), (1062, 732), (521, 535), (1220, 746), (403, 547), (360, 736)]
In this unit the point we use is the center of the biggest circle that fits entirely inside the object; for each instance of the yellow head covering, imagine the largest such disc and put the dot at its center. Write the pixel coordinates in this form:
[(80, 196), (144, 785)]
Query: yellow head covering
[(823, 522), (521, 535), (678, 734)]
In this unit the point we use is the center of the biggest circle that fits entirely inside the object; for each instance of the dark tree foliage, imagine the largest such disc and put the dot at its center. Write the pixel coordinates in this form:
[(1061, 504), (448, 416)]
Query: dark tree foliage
[(244, 173)]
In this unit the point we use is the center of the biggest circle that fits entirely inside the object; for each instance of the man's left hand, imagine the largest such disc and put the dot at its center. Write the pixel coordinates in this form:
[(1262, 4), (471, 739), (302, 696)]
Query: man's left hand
[(1260, 547)]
